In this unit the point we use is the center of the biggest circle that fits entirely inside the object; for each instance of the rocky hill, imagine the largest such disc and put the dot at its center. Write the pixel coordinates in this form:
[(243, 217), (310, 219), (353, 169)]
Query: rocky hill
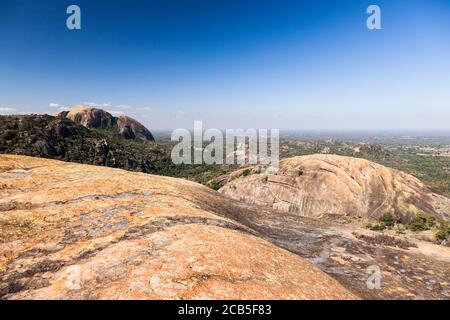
[(91, 137), (88, 117), (71, 231), (131, 129), (94, 118), (320, 185)]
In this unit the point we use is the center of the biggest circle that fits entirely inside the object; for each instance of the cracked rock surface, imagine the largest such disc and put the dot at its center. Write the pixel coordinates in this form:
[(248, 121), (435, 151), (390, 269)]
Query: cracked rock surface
[(71, 231)]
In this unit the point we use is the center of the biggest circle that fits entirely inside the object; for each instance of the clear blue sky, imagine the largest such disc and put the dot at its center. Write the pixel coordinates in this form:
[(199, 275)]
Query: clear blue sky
[(262, 64)]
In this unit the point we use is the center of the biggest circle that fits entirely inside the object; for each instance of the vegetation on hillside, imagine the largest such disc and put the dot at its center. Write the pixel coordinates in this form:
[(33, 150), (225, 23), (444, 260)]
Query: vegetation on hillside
[(439, 227), (60, 138)]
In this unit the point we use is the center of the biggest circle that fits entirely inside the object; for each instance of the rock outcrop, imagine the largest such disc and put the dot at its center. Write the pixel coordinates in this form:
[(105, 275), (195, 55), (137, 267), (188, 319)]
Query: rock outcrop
[(131, 129), (318, 185), (71, 231), (62, 139), (94, 118), (91, 117)]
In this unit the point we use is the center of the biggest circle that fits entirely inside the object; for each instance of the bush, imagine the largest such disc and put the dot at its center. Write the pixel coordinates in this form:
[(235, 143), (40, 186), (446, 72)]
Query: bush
[(420, 223), (431, 221), (246, 172), (215, 186), (443, 233), (388, 220)]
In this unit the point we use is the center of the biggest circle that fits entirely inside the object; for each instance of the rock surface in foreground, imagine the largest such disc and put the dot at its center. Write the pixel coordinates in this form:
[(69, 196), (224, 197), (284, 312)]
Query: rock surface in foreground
[(317, 185), (70, 231)]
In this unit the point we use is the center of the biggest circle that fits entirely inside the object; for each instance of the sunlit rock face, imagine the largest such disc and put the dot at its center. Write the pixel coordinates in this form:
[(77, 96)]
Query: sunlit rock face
[(319, 185), (94, 118), (71, 231), (91, 117)]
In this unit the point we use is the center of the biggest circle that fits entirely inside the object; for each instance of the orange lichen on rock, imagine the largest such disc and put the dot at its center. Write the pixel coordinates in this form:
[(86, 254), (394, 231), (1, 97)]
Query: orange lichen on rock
[(71, 231)]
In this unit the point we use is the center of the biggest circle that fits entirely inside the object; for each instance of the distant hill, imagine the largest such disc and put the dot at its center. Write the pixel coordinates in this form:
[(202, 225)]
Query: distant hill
[(85, 136), (94, 118), (94, 136), (320, 185)]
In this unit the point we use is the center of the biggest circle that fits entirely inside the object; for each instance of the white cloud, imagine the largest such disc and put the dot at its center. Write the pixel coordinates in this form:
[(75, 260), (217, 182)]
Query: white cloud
[(115, 112), (55, 105), (98, 105), (110, 105), (6, 110)]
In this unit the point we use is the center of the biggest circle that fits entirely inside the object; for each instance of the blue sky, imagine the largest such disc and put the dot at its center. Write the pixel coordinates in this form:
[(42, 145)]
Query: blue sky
[(262, 64)]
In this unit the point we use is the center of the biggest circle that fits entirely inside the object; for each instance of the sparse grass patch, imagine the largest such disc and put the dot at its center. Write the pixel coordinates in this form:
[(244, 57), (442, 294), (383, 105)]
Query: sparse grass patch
[(386, 221), (378, 227), (400, 229), (421, 223), (443, 233)]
